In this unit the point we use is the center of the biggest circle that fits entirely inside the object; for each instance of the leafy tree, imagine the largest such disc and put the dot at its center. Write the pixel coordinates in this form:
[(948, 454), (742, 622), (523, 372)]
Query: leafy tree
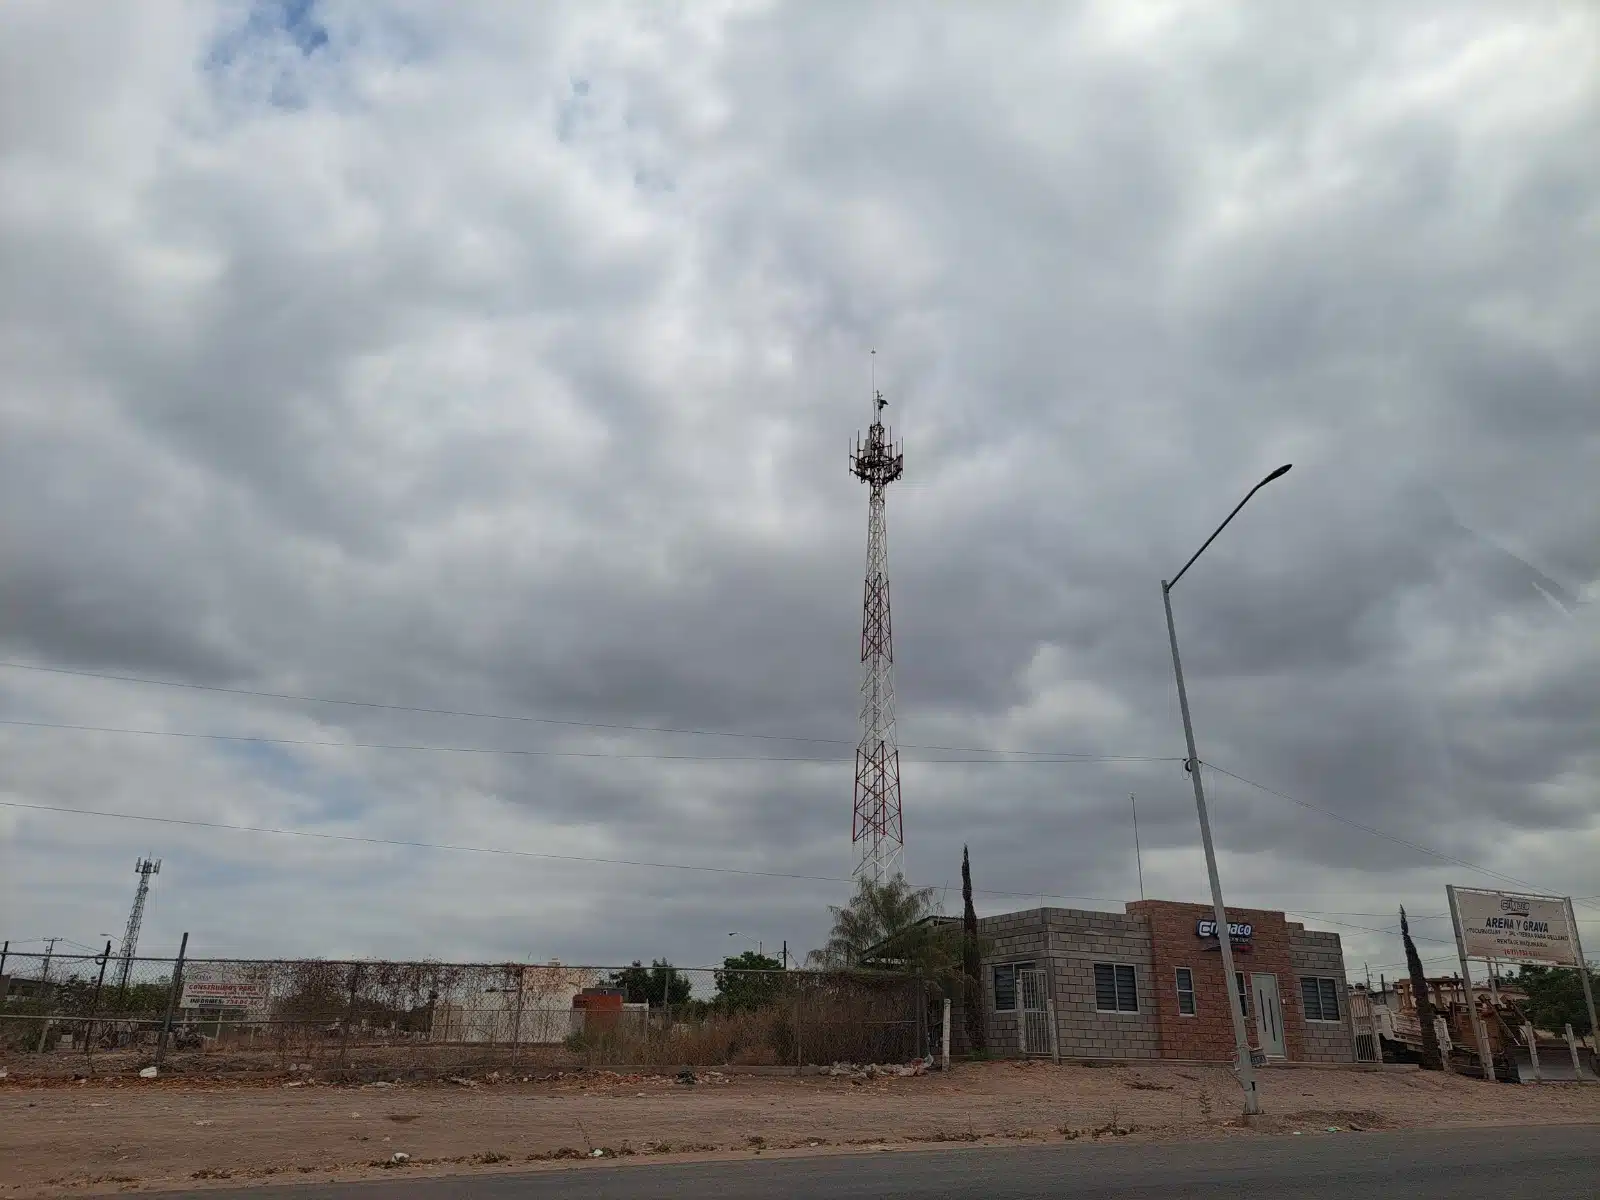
[(971, 963), (886, 926), (657, 985), (749, 981), (1555, 997), (1432, 1059)]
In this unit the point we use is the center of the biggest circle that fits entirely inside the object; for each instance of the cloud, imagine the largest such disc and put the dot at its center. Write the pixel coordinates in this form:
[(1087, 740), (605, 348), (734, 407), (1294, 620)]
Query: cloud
[(506, 362)]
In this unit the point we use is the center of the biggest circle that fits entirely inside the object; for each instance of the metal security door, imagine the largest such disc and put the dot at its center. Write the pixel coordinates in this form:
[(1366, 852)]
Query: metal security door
[(1035, 1015), (1269, 1015), (1364, 1028)]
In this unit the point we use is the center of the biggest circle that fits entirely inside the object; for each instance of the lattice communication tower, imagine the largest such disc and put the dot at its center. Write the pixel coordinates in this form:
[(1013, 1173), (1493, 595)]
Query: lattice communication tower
[(144, 868), (876, 829)]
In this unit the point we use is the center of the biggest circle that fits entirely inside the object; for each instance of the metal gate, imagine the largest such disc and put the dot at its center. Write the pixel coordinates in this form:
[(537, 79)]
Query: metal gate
[(1035, 1012), (1364, 1028)]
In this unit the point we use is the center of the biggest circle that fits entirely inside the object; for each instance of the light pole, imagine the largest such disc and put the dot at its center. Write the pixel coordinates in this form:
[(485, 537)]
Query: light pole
[(1241, 1038)]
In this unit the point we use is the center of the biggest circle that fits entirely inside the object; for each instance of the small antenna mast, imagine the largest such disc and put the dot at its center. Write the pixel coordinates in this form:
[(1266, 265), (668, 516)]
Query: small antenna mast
[(1137, 857)]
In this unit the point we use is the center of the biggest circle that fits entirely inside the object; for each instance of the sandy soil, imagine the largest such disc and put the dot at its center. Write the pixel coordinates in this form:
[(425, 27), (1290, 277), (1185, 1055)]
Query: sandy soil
[(65, 1138)]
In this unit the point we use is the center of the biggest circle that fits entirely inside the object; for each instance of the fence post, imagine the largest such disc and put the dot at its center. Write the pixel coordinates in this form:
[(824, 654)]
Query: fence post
[(1533, 1049), (172, 999), (349, 1012), (5, 952), (922, 1017), (44, 992), (945, 1034), (1572, 1048), (516, 1021), (94, 1005), (1055, 1034)]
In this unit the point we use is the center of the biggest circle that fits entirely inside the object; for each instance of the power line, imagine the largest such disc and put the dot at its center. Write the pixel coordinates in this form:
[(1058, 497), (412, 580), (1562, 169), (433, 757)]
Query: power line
[(1334, 912), (1386, 932), (499, 850), (1417, 846), (494, 716), (543, 753)]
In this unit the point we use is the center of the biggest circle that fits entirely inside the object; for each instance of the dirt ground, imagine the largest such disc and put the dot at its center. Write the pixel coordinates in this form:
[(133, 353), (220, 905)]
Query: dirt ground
[(59, 1137)]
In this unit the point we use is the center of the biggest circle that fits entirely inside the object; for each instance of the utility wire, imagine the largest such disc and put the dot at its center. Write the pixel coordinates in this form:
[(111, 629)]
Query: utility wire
[(1386, 932), (542, 753), (500, 850), (494, 716), (1417, 846)]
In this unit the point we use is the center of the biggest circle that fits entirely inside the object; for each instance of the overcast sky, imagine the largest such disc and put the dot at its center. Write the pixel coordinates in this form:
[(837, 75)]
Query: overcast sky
[(505, 358)]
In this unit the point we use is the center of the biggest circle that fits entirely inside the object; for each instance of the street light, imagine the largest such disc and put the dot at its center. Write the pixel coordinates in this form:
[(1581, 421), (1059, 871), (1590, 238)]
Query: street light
[(1241, 1039)]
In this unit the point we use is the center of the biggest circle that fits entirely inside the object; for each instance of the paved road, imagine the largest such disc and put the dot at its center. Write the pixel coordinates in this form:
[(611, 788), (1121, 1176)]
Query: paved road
[(1479, 1164)]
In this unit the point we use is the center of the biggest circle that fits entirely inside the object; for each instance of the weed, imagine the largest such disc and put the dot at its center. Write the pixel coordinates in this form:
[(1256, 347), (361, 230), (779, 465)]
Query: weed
[(1203, 1102), (562, 1152), (1146, 1085)]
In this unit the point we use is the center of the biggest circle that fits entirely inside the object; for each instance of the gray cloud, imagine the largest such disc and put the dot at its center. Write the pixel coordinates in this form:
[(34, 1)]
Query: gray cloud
[(507, 362)]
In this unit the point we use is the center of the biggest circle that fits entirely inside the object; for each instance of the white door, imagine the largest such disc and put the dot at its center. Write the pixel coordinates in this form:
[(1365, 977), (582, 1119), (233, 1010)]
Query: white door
[(1269, 1016)]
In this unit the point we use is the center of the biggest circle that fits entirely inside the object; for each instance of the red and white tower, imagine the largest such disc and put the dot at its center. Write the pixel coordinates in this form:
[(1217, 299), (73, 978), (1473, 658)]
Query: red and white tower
[(876, 830)]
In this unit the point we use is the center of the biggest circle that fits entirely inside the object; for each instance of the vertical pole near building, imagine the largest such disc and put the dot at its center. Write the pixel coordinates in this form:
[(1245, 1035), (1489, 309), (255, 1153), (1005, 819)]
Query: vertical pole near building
[(1241, 1039), (1485, 1055), (1583, 974), (1055, 1034), (172, 999), (1531, 1036), (944, 1053)]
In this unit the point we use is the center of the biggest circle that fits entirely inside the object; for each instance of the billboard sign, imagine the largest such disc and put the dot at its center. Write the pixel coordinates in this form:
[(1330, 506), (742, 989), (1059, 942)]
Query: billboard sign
[(1516, 928), (215, 989)]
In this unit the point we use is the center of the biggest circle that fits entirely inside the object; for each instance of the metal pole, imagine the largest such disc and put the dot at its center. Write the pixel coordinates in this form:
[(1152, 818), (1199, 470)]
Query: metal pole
[(1478, 1031), (1241, 1039), (5, 952), (44, 991), (945, 1042), (172, 999), (1583, 974), (1137, 857), (94, 1004), (516, 1027)]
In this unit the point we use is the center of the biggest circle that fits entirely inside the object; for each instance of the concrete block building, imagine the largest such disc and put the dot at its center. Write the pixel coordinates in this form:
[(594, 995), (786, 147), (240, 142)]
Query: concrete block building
[(1147, 983)]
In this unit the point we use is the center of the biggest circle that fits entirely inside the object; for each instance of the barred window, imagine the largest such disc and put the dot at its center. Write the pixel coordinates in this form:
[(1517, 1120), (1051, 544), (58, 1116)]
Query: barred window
[(1321, 998), (1005, 985), (1115, 988), (1244, 994), (1185, 992)]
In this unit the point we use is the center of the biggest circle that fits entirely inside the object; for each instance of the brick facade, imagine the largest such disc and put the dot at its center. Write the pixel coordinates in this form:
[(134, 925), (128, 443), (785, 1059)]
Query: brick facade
[(1156, 938)]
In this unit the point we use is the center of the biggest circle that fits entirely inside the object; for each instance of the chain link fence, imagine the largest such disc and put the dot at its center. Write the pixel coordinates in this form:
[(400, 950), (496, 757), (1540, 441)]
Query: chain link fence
[(65, 1014)]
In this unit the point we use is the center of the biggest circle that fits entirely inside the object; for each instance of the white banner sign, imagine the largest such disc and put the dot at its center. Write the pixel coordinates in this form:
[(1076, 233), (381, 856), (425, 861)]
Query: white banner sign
[(221, 991), (1504, 925)]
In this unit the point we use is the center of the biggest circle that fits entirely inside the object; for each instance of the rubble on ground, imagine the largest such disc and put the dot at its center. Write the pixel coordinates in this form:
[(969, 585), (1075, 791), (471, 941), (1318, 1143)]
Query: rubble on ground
[(857, 1073)]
